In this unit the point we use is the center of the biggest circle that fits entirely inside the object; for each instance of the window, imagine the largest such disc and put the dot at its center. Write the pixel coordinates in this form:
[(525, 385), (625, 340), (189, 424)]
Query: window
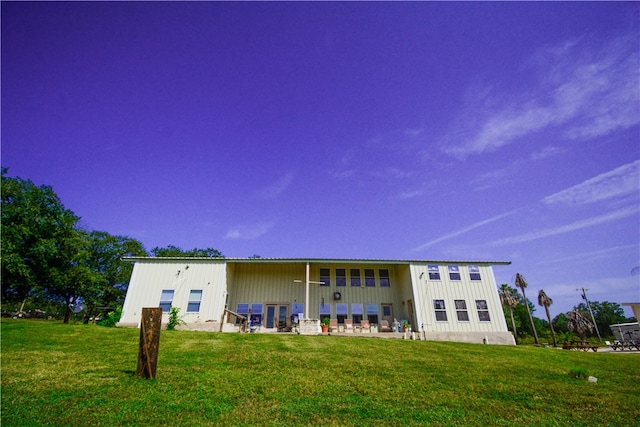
[(384, 278), (341, 312), (243, 310), (195, 297), (256, 308), (372, 313), (166, 299), (341, 277), (256, 314), (325, 311), (297, 310), (434, 272), (387, 311), (355, 277), (461, 310), (369, 277), (325, 276), (356, 313), (454, 272), (474, 272), (483, 310), (441, 312)]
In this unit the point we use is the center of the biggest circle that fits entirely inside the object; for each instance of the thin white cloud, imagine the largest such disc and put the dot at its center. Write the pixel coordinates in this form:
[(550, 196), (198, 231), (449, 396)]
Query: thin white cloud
[(588, 257), (585, 92), (589, 222), (404, 195), (277, 188), (545, 152), (465, 230), (249, 232), (621, 181)]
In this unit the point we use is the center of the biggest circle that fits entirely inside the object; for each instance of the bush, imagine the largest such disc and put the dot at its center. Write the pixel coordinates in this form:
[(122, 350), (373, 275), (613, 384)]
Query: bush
[(111, 318), (174, 318)]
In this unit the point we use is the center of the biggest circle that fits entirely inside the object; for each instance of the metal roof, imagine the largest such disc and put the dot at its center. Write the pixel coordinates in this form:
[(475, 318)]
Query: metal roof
[(316, 260)]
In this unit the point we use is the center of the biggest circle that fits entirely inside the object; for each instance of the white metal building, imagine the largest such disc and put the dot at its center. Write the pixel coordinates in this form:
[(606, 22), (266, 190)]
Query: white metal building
[(441, 300)]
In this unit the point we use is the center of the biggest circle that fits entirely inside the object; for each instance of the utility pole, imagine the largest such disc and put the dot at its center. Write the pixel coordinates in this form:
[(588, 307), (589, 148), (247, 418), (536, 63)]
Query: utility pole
[(584, 297)]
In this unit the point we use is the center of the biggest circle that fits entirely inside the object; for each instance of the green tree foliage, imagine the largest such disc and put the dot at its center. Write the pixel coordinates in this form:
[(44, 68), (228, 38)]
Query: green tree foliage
[(605, 314), (174, 251), (560, 323), (47, 258), (106, 288), (37, 236)]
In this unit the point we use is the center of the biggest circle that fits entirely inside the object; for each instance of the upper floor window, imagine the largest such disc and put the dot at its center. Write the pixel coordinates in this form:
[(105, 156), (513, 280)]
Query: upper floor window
[(441, 312), (384, 278), (434, 272), (341, 277), (325, 276), (369, 277), (461, 310), (195, 297), (454, 272), (483, 310), (355, 277), (166, 299), (474, 272)]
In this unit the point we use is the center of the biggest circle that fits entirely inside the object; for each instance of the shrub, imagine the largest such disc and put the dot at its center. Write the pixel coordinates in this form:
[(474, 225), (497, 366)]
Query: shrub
[(174, 318), (111, 318)]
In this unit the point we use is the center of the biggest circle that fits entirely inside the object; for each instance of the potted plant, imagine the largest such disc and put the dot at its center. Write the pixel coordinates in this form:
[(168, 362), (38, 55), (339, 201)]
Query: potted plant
[(325, 324), (405, 325)]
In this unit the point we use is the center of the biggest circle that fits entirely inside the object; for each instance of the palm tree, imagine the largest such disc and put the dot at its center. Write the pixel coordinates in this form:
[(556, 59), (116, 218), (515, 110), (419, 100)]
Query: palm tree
[(578, 323), (545, 301), (507, 298), (521, 283)]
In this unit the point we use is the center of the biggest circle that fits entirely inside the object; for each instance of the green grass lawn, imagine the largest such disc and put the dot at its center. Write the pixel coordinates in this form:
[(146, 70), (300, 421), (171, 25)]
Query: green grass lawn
[(84, 375)]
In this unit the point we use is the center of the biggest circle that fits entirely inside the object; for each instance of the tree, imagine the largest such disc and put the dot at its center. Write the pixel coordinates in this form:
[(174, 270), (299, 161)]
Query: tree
[(509, 300), (545, 301), (522, 284), (107, 287), (174, 251), (605, 314), (577, 322), (560, 323), (37, 231)]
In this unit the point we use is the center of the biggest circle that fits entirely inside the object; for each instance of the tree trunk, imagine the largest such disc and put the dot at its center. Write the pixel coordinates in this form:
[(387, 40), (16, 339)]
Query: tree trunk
[(88, 314), (533, 326), (553, 334), (513, 323)]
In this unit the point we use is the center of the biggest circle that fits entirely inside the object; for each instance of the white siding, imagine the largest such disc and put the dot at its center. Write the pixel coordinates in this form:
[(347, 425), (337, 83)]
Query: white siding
[(448, 290), (151, 277)]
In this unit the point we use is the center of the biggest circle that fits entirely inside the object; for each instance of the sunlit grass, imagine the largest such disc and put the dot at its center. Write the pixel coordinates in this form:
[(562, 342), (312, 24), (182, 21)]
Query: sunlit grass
[(76, 375)]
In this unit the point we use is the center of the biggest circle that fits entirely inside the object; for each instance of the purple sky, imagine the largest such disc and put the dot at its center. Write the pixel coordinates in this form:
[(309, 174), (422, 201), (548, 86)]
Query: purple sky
[(440, 131)]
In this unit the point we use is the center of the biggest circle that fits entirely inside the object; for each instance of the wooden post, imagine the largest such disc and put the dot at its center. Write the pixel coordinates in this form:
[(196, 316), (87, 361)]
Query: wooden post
[(149, 342)]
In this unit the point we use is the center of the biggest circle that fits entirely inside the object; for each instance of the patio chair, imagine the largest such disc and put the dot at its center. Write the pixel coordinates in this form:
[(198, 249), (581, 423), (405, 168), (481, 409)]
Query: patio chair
[(348, 325), (384, 326), (333, 325), (365, 326)]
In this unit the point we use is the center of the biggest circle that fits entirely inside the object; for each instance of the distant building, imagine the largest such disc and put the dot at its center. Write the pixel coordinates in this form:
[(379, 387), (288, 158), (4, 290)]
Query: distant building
[(441, 300), (626, 331)]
